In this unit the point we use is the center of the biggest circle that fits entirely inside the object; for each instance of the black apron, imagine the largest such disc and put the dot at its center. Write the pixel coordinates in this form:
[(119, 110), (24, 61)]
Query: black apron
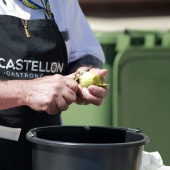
[(27, 58)]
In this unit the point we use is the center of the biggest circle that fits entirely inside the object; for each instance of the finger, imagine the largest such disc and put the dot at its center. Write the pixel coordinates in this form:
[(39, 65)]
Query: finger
[(72, 84), (61, 104), (71, 76), (69, 96), (80, 97), (98, 91), (52, 110), (101, 72), (90, 98), (82, 101), (79, 100), (79, 92)]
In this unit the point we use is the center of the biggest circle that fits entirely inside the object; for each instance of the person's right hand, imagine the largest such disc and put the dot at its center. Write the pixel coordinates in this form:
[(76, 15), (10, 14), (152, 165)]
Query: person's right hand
[(51, 93)]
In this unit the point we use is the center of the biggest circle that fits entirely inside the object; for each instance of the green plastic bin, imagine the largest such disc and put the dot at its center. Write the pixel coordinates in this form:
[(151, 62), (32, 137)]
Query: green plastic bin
[(141, 95), (90, 114)]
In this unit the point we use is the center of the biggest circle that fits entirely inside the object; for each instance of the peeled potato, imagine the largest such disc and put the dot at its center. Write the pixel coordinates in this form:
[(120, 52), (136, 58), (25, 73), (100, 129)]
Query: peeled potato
[(89, 78)]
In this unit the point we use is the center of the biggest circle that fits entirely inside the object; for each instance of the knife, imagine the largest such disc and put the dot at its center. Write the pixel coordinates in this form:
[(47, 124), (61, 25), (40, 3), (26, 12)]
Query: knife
[(80, 74)]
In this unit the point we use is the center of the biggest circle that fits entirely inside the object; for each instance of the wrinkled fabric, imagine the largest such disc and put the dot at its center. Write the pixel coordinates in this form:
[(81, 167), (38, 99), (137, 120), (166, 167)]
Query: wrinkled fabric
[(69, 17)]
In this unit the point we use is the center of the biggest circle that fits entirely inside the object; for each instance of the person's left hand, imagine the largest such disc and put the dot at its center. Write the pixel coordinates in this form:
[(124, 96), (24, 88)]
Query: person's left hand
[(92, 94)]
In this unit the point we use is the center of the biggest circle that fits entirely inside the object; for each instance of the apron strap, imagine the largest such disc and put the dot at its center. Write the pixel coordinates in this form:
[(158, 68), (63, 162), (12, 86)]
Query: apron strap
[(45, 6)]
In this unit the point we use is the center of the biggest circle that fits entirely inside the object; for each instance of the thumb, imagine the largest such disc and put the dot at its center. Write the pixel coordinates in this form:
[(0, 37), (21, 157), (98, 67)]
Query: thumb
[(71, 76), (101, 72)]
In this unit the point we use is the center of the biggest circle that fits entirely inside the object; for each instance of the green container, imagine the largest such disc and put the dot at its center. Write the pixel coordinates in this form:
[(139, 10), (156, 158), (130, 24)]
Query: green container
[(137, 38), (90, 114), (141, 94)]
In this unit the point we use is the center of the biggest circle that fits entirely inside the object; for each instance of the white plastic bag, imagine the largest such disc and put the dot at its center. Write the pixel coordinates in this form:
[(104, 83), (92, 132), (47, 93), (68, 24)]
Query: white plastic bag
[(152, 161)]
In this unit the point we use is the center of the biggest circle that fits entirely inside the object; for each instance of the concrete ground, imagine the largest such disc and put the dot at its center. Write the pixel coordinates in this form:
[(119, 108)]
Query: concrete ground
[(120, 24)]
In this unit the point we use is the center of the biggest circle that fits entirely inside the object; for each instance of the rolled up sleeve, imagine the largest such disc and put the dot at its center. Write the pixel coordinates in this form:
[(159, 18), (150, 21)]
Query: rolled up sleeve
[(84, 47)]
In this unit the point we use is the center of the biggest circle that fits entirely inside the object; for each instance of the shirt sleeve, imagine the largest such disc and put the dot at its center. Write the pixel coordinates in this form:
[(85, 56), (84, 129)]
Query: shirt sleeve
[(84, 47)]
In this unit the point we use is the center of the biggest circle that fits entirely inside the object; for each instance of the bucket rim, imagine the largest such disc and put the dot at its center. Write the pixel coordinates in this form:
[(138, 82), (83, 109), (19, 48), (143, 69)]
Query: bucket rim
[(31, 136)]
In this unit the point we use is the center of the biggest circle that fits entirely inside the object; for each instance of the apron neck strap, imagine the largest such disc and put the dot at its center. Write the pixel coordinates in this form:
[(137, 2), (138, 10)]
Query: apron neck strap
[(45, 6)]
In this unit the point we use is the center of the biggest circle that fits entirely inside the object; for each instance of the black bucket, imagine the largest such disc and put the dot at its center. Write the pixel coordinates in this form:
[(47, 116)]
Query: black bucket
[(86, 148)]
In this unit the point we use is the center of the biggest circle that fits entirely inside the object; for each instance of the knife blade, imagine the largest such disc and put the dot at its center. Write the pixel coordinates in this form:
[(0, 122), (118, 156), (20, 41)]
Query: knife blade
[(86, 70)]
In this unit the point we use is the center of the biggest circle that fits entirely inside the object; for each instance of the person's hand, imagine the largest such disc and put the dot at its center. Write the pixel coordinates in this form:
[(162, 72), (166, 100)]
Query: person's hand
[(93, 94), (51, 93)]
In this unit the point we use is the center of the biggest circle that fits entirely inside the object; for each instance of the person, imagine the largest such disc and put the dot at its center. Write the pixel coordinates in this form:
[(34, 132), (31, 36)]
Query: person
[(44, 43)]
